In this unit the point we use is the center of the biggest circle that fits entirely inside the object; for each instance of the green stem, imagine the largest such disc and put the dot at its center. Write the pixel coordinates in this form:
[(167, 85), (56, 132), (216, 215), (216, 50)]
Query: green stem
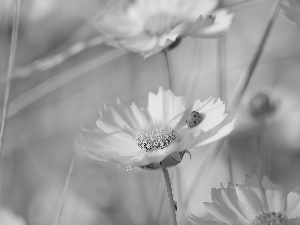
[(64, 193), (168, 69), (222, 68), (11, 62), (170, 195), (252, 66)]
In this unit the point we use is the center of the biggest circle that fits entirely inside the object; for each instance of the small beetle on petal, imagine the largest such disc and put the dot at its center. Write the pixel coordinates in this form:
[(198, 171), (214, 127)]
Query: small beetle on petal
[(194, 119)]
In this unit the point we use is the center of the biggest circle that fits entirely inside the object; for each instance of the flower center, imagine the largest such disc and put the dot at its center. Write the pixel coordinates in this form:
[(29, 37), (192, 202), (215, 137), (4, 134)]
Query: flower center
[(158, 136), (161, 23), (270, 218)]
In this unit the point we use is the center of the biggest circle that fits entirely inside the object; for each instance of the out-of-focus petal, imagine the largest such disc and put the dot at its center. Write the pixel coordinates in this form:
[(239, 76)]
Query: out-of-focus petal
[(220, 213), (275, 196), (192, 9), (293, 203), (250, 200), (213, 26), (194, 220)]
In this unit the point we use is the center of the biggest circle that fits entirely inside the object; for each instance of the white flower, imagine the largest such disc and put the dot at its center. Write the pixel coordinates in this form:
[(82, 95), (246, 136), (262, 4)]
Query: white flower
[(252, 204), (291, 8), (132, 137), (149, 26)]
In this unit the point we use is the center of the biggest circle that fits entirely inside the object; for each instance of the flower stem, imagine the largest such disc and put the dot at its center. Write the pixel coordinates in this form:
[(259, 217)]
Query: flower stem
[(170, 195), (64, 193), (168, 69), (11, 62), (222, 68), (250, 70)]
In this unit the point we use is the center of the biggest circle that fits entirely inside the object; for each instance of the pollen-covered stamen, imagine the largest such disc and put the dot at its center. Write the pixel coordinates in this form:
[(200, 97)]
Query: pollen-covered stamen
[(270, 218), (158, 136), (160, 24)]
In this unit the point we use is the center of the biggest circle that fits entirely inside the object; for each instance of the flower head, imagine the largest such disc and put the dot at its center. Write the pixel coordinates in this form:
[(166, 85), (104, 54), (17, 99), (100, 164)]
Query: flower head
[(153, 137), (291, 8), (149, 26), (252, 204)]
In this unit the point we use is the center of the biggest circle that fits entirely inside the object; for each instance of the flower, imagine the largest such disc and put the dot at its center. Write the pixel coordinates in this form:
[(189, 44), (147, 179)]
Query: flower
[(261, 105), (252, 204), (152, 137), (149, 26), (291, 9)]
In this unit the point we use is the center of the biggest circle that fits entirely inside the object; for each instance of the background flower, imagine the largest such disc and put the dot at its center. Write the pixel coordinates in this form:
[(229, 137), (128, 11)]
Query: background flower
[(150, 26), (132, 137), (252, 203)]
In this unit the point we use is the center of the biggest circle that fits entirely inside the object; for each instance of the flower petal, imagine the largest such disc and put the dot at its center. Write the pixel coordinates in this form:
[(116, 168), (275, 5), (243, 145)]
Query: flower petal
[(156, 156), (293, 203), (214, 115), (192, 9), (118, 147), (253, 184), (231, 199), (198, 105), (275, 195), (164, 106), (250, 200), (141, 118), (194, 220), (212, 136), (211, 27), (219, 212)]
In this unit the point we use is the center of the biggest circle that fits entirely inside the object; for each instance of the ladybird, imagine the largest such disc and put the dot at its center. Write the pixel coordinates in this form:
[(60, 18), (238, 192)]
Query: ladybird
[(194, 119)]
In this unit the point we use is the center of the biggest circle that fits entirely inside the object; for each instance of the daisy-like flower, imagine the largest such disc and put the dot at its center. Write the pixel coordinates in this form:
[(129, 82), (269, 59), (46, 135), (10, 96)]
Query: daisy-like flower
[(149, 26), (291, 9), (252, 204), (156, 137)]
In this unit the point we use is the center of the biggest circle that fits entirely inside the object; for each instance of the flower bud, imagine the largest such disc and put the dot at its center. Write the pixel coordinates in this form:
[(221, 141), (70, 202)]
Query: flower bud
[(260, 105), (170, 161)]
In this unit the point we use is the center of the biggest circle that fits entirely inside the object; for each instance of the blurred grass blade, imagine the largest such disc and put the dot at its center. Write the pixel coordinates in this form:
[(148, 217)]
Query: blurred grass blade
[(60, 80), (221, 80), (64, 193), (11, 62), (57, 59)]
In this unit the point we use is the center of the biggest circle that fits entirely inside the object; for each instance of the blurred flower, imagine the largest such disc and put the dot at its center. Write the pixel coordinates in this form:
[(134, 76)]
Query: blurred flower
[(156, 136), (149, 26), (9, 218), (252, 204), (291, 8), (261, 105)]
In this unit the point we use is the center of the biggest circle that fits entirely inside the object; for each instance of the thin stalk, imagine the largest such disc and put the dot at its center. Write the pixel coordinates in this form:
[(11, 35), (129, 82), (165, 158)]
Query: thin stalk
[(222, 68), (170, 195), (11, 62), (262, 152), (168, 69), (252, 66), (64, 193), (155, 193)]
